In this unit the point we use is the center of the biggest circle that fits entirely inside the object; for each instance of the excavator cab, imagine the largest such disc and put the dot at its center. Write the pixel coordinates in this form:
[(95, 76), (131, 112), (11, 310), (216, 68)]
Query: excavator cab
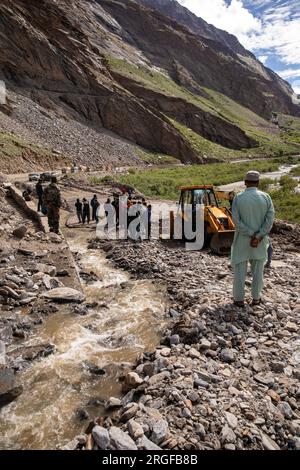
[(218, 224)]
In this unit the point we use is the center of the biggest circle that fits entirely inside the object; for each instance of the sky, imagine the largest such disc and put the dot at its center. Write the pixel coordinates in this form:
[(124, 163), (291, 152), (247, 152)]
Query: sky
[(268, 28)]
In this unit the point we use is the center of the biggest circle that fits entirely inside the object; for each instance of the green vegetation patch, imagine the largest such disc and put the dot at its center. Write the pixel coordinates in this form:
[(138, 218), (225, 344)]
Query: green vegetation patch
[(164, 182), (295, 171), (286, 200), (271, 148)]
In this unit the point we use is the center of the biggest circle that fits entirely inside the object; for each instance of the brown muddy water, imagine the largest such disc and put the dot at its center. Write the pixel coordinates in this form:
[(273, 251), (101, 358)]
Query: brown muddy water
[(44, 416)]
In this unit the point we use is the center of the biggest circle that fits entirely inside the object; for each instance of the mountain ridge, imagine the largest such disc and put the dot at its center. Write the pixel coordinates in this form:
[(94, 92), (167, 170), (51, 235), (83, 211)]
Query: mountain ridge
[(128, 69)]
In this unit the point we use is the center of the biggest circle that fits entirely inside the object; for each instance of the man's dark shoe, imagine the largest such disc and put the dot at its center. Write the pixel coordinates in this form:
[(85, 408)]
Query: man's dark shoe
[(240, 304)]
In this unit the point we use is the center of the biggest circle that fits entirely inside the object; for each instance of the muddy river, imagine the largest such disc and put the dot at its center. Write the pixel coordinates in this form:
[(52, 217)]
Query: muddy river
[(127, 320)]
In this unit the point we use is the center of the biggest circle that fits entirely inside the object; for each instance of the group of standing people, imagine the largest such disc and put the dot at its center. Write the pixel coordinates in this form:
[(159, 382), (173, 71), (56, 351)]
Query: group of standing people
[(140, 211), (85, 208), (119, 212)]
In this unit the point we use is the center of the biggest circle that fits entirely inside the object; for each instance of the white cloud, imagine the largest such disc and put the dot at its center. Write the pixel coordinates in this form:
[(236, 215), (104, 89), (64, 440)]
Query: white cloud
[(276, 29), (281, 37), (289, 73), (233, 18), (296, 87), (263, 58)]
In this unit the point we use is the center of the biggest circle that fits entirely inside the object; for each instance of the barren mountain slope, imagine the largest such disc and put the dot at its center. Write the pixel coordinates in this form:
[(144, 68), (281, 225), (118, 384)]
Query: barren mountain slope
[(56, 59)]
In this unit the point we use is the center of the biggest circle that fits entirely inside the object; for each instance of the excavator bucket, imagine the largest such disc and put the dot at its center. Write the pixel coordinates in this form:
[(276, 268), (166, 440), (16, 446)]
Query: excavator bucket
[(221, 242)]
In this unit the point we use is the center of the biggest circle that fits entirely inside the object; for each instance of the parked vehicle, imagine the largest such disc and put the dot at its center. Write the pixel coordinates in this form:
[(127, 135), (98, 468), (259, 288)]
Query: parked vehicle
[(34, 176), (45, 177)]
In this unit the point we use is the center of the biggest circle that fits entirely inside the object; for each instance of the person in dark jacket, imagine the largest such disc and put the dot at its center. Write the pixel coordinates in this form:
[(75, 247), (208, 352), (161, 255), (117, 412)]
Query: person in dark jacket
[(86, 213), (78, 206), (53, 202), (94, 206), (96, 209), (149, 213), (39, 192)]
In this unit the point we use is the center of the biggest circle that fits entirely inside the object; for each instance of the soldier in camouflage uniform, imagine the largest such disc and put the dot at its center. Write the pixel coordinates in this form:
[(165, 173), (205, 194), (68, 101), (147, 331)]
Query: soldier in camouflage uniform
[(52, 201)]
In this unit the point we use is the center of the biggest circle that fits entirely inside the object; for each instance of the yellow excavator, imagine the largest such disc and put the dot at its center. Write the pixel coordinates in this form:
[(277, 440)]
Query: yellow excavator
[(218, 224)]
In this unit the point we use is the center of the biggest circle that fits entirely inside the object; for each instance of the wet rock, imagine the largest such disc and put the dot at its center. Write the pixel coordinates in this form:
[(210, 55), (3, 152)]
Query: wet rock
[(93, 368), (30, 353), (160, 431), (64, 294), (132, 380), (63, 273), (8, 391), (227, 355), (101, 437), (82, 438), (113, 403), (82, 414), (119, 440), (81, 310), (71, 445)]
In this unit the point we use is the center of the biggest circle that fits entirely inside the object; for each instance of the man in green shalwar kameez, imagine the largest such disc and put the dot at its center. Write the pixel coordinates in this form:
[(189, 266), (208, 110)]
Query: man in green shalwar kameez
[(253, 214)]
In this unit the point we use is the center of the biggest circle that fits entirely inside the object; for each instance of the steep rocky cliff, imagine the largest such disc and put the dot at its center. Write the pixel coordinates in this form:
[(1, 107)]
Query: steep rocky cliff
[(58, 54), (45, 49), (197, 25), (219, 40)]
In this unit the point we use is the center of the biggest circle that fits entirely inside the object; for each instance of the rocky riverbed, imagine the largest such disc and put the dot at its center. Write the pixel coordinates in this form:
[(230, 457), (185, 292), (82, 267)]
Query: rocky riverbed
[(223, 377), (33, 268)]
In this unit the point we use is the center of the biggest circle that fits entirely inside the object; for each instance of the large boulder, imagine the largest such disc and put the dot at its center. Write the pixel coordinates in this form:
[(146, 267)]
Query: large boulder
[(8, 390), (64, 294), (120, 440), (101, 437)]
